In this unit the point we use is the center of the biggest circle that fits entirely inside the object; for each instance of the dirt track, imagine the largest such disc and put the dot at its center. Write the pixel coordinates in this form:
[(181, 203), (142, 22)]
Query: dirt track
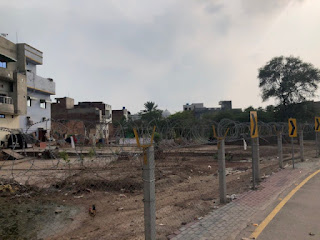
[(186, 189)]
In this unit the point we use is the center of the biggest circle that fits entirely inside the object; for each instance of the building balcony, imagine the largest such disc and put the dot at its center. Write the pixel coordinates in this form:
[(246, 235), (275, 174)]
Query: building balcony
[(45, 85), (33, 55), (5, 74), (6, 105)]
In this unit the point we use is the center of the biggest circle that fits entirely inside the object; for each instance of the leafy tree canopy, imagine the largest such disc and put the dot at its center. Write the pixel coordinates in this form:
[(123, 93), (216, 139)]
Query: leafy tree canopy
[(151, 112), (150, 106), (289, 80)]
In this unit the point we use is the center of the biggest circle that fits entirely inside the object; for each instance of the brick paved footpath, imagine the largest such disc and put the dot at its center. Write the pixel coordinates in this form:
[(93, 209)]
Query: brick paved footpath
[(228, 221)]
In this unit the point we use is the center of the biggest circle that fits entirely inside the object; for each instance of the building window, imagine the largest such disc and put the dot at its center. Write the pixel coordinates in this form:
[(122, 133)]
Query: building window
[(2, 116), (43, 104), (3, 65), (2, 98), (29, 102)]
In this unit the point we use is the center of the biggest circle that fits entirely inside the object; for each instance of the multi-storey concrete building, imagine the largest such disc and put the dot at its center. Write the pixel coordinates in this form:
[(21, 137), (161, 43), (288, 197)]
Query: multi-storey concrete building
[(199, 109), (193, 106), (24, 96), (39, 89)]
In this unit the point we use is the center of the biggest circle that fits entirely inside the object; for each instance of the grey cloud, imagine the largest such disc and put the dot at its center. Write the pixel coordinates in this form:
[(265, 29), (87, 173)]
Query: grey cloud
[(262, 7), (173, 53), (213, 8)]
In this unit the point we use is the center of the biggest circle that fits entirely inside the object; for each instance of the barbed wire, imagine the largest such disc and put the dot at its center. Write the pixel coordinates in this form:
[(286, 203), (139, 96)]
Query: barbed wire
[(95, 138), (83, 163)]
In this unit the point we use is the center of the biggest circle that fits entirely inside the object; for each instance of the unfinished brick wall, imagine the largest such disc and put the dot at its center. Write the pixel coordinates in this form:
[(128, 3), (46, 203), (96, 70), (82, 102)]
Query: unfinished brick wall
[(61, 129)]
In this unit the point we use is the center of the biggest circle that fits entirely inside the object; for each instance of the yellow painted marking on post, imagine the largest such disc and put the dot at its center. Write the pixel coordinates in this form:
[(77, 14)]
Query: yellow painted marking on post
[(145, 159), (214, 132), (152, 136), (317, 124), (219, 138), (268, 219), (145, 146), (136, 136), (225, 135), (293, 130), (254, 124), (275, 129)]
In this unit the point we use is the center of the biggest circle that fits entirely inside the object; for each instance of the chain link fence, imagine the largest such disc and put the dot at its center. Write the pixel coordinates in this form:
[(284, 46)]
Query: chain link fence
[(85, 180)]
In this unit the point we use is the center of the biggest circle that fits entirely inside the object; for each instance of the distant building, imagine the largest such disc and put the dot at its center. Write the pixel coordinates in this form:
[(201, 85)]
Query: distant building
[(96, 116), (199, 109), (24, 96), (166, 113), (225, 105), (193, 106), (118, 115), (106, 110), (135, 117)]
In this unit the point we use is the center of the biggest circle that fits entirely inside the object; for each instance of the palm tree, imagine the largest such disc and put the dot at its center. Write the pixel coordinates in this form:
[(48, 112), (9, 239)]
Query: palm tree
[(150, 107)]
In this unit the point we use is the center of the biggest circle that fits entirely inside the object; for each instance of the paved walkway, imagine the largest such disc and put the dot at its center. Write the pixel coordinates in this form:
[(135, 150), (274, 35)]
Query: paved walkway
[(229, 220)]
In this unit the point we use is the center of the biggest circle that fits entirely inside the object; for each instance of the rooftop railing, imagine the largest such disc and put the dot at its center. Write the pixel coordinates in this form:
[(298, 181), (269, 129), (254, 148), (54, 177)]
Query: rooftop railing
[(6, 100)]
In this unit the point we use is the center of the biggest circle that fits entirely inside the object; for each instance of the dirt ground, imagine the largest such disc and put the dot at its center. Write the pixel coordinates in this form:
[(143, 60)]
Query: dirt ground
[(51, 198)]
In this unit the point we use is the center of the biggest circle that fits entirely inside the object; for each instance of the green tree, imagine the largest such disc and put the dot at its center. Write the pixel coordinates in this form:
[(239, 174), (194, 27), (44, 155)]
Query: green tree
[(289, 80), (150, 106), (151, 112), (248, 109), (185, 117), (219, 115), (270, 109)]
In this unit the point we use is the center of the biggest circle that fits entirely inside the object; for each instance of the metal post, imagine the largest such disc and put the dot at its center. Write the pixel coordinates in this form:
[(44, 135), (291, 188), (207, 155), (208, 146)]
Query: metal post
[(253, 171), (255, 159), (292, 152), (222, 171), (301, 145), (317, 145), (280, 153), (149, 194)]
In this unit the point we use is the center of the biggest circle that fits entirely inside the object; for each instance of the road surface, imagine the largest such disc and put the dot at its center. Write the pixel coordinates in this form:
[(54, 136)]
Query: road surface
[(299, 218)]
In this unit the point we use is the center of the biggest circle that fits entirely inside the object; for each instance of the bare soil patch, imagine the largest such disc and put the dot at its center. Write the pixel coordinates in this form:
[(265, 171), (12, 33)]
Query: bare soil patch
[(186, 189)]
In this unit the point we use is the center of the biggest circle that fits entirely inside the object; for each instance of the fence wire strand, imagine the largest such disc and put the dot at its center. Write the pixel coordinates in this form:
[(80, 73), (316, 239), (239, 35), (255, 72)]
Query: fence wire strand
[(84, 179)]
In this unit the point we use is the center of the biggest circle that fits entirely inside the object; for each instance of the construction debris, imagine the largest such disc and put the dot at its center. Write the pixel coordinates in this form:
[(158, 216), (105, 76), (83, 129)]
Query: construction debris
[(231, 171), (58, 211), (231, 197), (13, 154)]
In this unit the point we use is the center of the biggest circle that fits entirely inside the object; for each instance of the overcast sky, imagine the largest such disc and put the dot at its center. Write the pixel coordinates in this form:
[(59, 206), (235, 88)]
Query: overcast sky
[(127, 52)]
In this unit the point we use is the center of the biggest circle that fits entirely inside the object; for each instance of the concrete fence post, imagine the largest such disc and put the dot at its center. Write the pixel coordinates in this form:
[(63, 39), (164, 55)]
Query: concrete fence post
[(292, 151), (222, 171), (301, 145), (255, 159), (149, 194), (317, 145), (280, 151)]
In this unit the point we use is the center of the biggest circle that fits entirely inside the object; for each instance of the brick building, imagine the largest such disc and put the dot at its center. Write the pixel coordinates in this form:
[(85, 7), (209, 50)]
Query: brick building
[(95, 116), (118, 115)]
